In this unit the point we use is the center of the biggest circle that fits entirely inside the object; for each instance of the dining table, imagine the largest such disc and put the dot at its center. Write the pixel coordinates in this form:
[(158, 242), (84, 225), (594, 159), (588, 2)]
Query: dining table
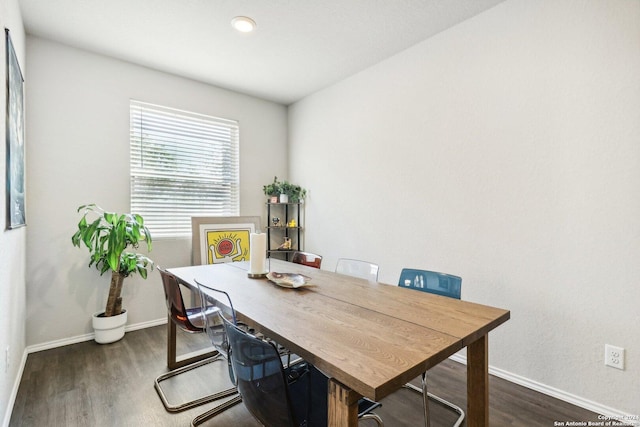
[(368, 337)]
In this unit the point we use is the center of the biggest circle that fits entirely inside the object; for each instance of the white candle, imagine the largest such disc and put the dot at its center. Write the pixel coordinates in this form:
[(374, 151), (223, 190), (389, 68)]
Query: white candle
[(257, 253)]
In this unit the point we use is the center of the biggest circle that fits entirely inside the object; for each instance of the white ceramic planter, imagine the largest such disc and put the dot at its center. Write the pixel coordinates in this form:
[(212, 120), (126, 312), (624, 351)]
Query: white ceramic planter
[(284, 198), (109, 329)]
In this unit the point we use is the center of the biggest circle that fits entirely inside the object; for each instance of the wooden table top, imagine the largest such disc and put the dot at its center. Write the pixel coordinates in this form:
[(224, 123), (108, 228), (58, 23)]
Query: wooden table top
[(369, 336)]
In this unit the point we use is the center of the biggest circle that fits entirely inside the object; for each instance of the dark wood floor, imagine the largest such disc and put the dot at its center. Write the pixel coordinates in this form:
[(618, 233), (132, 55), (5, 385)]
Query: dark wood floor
[(94, 385)]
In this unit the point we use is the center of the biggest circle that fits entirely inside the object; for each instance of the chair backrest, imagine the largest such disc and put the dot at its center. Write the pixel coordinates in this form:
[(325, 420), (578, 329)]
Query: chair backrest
[(175, 302), (432, 282), (307, 258), (357, 268), (214, 310), (260, 378)]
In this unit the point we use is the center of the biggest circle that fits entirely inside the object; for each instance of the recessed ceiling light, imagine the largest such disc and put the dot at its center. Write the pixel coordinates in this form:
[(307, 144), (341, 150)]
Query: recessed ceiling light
[(243, 24)]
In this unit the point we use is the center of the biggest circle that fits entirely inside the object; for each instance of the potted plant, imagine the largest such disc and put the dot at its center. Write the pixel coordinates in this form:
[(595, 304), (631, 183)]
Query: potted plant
[(295, 192), (285, 190), (107, 237), (272, 190)]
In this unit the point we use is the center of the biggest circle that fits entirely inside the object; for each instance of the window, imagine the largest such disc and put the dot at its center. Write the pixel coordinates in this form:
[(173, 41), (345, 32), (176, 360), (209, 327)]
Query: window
[(182, 165)]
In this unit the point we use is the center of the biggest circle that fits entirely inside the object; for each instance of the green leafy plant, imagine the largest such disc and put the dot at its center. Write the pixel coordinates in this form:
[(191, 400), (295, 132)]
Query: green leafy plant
[(272, 189), (286, 188), (295, 192), (107, 237)]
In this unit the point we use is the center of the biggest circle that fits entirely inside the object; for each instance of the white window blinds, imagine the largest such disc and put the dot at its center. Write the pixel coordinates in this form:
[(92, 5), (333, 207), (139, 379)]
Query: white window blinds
[(182, 165)]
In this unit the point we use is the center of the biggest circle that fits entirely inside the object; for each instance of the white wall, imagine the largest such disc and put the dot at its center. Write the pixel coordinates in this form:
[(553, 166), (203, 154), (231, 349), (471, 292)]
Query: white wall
[(78, 127), (504, 150), (12, 242)]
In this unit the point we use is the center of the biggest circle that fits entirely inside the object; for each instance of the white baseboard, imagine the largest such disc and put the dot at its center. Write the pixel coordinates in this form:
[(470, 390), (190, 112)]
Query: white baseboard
[(59, 343), (14, 391), (556, 393), (88, 337)]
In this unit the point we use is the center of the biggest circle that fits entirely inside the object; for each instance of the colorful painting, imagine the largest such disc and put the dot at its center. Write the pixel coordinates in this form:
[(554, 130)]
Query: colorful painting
[(227, 245), (222, 239), (16, 216)]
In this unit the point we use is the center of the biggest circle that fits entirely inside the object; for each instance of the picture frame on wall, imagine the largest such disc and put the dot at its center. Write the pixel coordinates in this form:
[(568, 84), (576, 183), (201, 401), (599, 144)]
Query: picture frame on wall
[(15, 179), (216, 240)]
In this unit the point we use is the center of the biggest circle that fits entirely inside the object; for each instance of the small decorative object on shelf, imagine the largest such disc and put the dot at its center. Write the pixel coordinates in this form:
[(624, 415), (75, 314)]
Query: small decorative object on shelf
[(276, 222), (292, 223), (286, 245)]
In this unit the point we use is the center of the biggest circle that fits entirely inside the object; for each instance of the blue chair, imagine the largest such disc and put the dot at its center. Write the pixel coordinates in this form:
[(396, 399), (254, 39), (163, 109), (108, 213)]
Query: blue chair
[(357, 268), (430, 281), (440, 284)]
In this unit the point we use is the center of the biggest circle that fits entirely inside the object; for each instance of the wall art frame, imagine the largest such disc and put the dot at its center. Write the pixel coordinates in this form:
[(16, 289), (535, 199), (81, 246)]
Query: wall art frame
[(221, 239), (15, 156)]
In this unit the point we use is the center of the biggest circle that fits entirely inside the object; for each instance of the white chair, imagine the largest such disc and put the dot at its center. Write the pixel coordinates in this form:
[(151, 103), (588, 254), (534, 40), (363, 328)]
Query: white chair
[(356, 268)]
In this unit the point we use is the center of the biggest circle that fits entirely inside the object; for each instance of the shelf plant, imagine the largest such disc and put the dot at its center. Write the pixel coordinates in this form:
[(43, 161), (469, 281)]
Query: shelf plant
[(294, 192), (272, 189), (107, 236)]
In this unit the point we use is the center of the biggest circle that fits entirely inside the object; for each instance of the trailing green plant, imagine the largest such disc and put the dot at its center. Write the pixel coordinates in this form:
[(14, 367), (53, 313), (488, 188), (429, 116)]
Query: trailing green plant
[(295, 192), (107, 237)]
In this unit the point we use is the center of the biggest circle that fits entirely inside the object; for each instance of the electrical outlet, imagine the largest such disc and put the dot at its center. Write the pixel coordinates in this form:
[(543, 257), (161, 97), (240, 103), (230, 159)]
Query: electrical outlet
[(614, 356)]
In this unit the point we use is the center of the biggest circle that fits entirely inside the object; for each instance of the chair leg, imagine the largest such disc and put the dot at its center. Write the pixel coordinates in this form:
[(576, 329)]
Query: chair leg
[(372, 416), (215, 411), (190, 404), (426, 395), (425, 400), (173, 362)]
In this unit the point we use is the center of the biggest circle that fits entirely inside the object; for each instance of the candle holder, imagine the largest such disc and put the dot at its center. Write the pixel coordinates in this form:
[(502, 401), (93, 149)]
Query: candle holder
[(261, 275), (257, 275)]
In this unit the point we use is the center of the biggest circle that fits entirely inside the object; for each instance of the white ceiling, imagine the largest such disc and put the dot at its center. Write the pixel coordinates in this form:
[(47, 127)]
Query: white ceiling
[(299, 46)]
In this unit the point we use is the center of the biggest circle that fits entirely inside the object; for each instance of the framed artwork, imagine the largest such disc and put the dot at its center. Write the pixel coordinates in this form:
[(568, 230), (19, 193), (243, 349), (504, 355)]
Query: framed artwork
[(15, 140), (221, 239)]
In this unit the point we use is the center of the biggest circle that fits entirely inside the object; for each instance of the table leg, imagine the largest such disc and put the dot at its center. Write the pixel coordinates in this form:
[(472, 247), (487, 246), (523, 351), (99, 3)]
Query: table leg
[(478, 383), (343, 405)]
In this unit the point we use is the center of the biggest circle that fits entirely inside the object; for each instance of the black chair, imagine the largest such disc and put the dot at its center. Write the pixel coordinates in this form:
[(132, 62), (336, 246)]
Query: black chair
[(275, 394), (440, 284), (190, 320)]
